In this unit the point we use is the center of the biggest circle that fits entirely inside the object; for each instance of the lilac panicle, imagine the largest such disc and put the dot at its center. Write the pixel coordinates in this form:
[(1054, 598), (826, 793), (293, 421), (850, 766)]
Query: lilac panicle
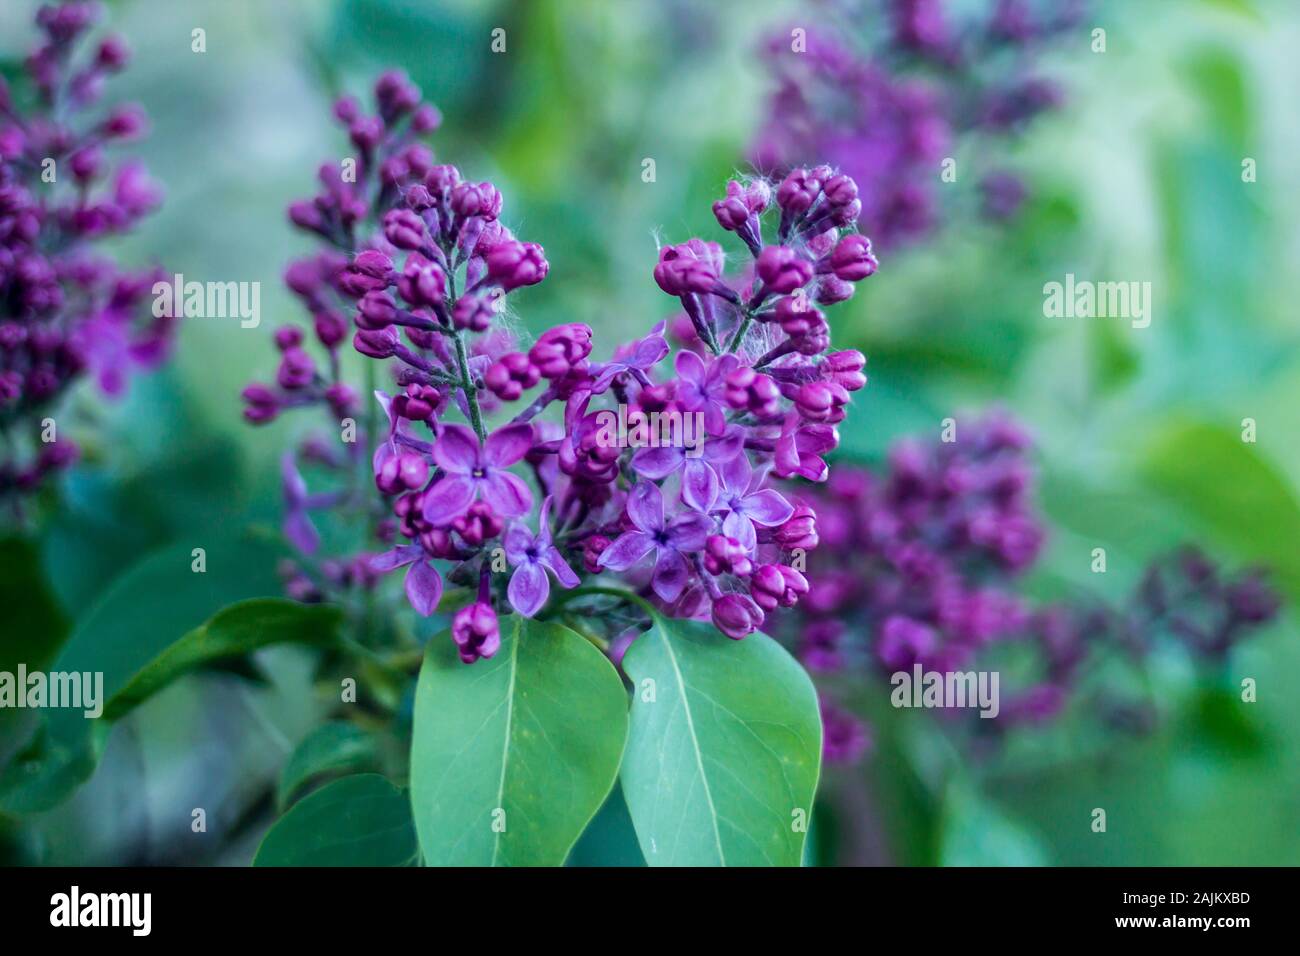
[(69, 311), (415, 269), (887, 110), (918, 564)]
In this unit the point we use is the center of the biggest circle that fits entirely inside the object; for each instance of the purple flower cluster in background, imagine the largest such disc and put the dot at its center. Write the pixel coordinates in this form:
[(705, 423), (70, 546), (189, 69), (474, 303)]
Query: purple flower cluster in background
[(419, 271), (890, 112), (919, 564), (67, 309)]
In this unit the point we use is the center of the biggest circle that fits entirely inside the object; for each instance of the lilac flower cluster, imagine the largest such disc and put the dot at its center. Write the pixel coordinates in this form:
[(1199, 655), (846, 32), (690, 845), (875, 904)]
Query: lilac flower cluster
[(918, 565), (889, 114), (66, 309), (693, 525)]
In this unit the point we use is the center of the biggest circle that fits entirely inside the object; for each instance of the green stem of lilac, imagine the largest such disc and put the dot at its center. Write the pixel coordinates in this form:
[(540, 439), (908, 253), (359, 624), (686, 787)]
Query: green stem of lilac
[(467, 385), (740, 332)]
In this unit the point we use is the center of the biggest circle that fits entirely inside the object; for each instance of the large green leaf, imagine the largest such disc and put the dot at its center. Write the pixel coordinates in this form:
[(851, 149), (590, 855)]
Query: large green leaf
[(362, 820), (235, 631), (336, 747), (512, 756), (724, 750), (147, 609)]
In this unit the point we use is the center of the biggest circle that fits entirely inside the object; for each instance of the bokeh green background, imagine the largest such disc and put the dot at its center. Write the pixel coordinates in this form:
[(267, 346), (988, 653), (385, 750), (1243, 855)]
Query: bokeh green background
[(1137, 178)]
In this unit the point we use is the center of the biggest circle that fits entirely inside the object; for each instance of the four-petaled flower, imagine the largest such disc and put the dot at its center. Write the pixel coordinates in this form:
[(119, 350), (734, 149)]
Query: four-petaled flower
[(471, 470), (748, 504), (531, 556), (669, 539)]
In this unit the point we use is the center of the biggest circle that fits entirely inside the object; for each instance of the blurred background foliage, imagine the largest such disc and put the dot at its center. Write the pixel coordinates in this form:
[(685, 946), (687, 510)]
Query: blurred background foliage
[(1138, 430)]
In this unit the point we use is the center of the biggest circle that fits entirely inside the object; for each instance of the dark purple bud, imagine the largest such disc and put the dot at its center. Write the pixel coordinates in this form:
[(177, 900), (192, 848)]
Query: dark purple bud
[(113, 54), (403, 228), (342, 399), (559, 349), (297, 370), (125, 122), (476, 199), (692, 266), (845, 369), (376, 310), (852, 260), (511, 375), (476, 632), (753, 391), (422, 282), (379, 343), (475, 310), (800, 531), (775, 585), (821, 401), (288, 337), (832, 289), (441, 180), (425, 119), (514, 264), (783, 270), (592, 548), (366, 132), (736, 615), (331, 328), (798, 191), (404, 472), (478, 524), (419, 402), (840, 190), (261, 404), (724, 555)]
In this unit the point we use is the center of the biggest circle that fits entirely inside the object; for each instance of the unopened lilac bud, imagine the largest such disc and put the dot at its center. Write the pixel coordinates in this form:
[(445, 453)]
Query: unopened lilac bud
[(845, 369), (798, 191), (852, 259), (366, 132), (297, 370), (376, 310), (378, 343), (737, 615), (476, 199), (403, 228), (305, 215), (403, 472), (441, 180), (783, 270), (113, 54), (691, 267), (331, 328), (724, 555), (86, 164), (800, 531), (514, 264), (347, 109), (418, 198), (840, 190), (261, 404), (373, 263), (559, 349), (422, 282), (476, 310), (511, 375), (287, 337), (342, 399), (419, 402), (753, 391), (822, 401), (476, 632), (425, 119), (592, 548), (478, 524), (832, 289), (125, 122), (774, 585)]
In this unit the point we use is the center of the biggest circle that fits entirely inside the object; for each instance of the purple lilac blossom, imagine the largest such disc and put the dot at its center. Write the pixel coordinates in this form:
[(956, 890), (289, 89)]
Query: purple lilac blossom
[(889, 111), (67, 309), (416, 265), (919, 563)]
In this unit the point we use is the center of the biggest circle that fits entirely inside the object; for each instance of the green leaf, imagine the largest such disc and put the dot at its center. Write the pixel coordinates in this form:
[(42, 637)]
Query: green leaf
[(1233, 491), (237, 630), (362, 820), (32, 627), (145, 610), (513, 755), (724, 750), (336, 747)]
